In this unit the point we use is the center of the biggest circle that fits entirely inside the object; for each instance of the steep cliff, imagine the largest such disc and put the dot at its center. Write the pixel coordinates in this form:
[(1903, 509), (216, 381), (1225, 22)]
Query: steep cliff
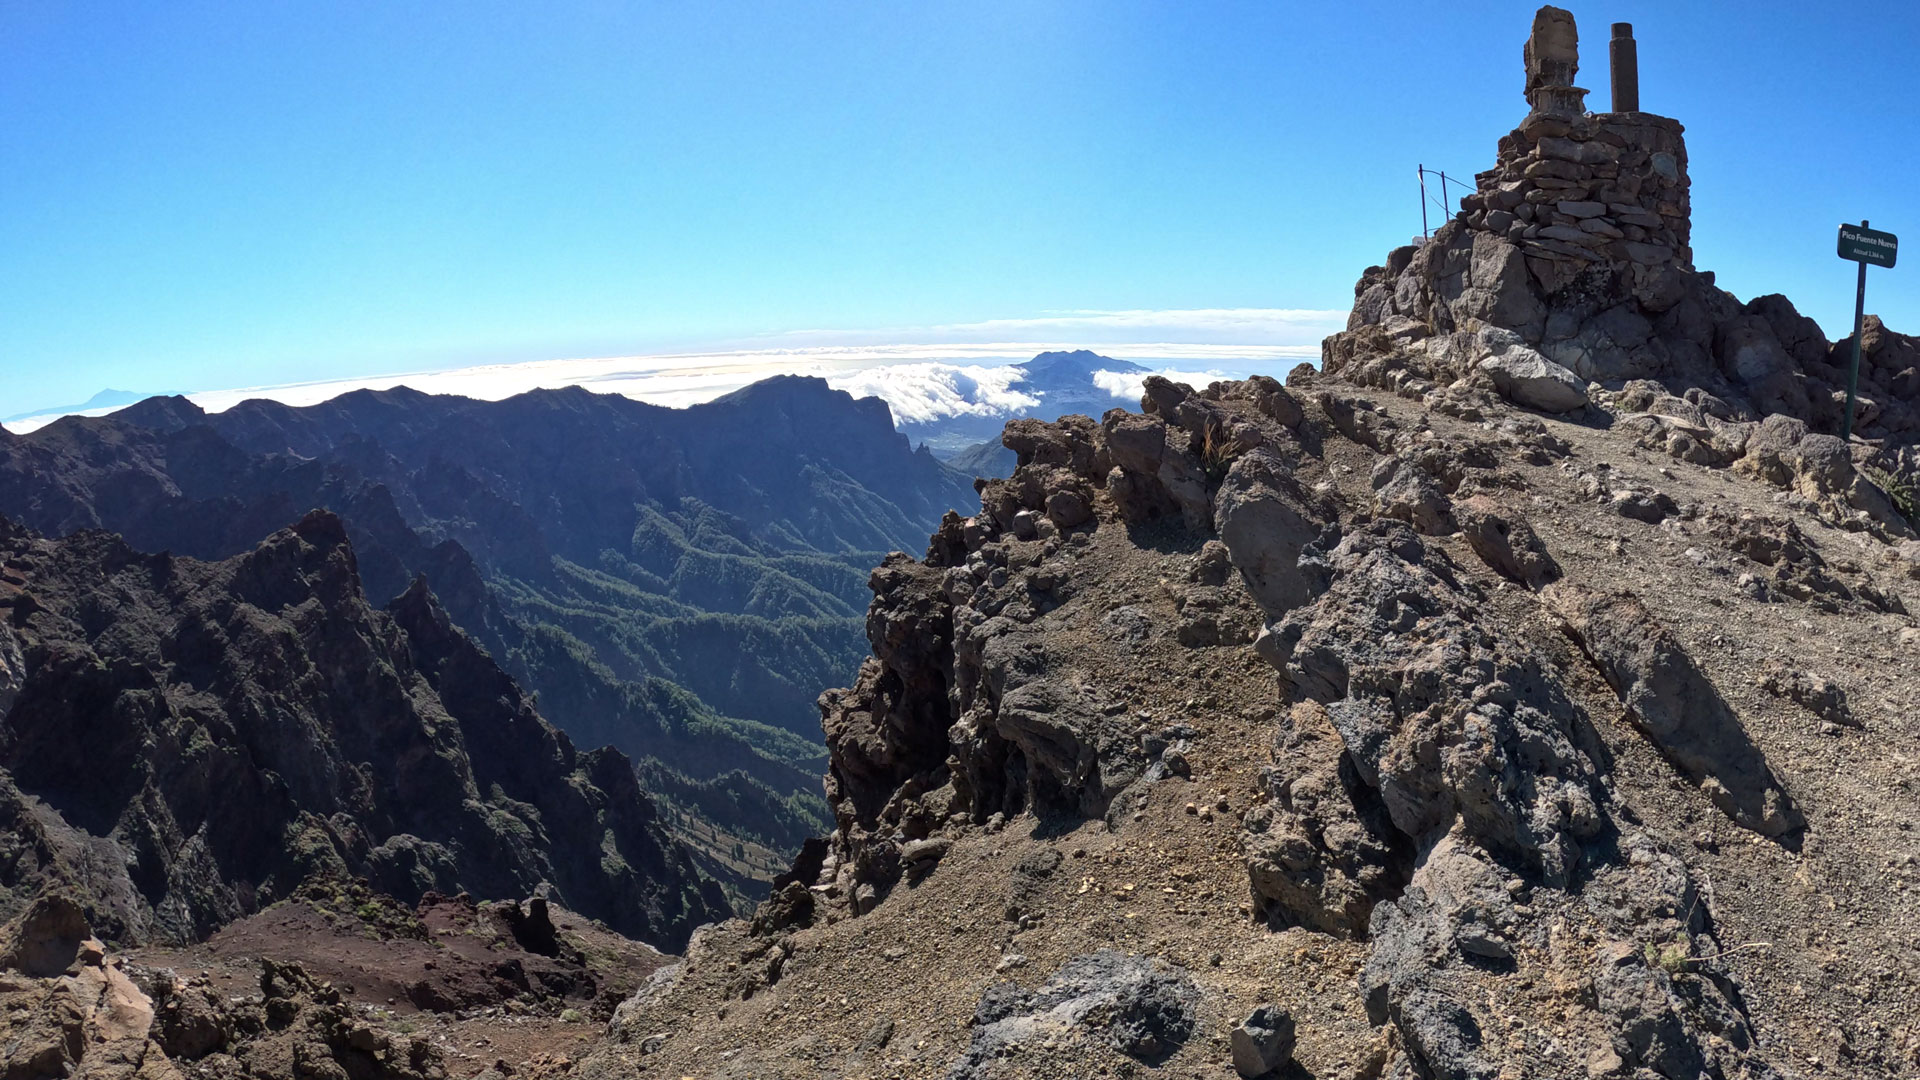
[(677, 583), (1527, 693), (1463, 747), (186, 742)]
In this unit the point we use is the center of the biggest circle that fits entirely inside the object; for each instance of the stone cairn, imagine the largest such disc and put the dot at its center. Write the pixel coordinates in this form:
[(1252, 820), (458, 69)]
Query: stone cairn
[(1574, 188), (1567, 280)]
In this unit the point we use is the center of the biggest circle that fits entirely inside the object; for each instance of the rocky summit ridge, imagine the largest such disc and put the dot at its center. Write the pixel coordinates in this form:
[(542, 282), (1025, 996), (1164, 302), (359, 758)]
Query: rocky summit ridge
[(1306, 730), (1525, 693), (1518, 695), (1568, 275)]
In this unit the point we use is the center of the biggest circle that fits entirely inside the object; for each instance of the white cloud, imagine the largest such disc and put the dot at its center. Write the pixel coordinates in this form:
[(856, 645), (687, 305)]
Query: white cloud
[(917, 380), (918, 393), (1129, 385)]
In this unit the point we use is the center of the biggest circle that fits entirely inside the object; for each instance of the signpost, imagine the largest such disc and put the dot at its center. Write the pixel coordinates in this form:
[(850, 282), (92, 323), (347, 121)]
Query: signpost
[(1864, 246)]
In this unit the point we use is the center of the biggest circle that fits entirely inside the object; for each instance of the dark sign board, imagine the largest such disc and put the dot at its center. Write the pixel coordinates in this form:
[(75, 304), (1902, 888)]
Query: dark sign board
[(1861, 244)]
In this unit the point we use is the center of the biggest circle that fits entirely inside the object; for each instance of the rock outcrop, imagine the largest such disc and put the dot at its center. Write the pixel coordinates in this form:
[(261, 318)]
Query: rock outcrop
[(188, 742), (1568, 273), (1437, 789), (65, 1010), (964, 713), (1389, 724), (1143, 1011)]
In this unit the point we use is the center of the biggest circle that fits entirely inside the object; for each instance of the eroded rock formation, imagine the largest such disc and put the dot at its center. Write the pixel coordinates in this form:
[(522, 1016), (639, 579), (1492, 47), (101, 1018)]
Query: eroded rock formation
[(188, 742), (1437, 787)]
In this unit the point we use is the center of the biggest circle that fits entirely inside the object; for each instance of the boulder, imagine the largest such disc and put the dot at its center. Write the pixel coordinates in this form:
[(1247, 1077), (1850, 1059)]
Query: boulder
[(1817, 694), (1262, 516), (68, 1011), (1273, 399), (1497, 290), (1141, 1008), (1675, 705), (1315, 857), (1532, 381), (1436, 739), (1506, 544), (1262, 1043), (1412, 496), (1068, 509), (47, 939)]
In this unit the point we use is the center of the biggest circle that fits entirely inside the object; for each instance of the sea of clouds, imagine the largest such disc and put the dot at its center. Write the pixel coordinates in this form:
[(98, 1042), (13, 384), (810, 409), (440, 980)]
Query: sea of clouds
[(919, 382)]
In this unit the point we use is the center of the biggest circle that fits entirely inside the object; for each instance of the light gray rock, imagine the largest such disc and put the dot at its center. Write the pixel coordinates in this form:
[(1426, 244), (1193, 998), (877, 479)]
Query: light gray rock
[(1571, 235), (928, 851), (1748, 351), (1412, 496), (1263, 1043), (1262, 516), (1496, 291), (1674, 703), (1578, 152), (1144, 1010), (13, 669), (1529, 379)]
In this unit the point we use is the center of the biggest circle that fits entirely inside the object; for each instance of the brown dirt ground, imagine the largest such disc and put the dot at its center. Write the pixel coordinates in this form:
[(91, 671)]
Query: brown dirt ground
[(387, 976), (1827, 938)]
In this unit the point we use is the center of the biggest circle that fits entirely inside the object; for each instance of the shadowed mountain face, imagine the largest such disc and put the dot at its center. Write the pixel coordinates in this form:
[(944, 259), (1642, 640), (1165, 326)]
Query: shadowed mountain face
[(679, 583), (185, 742), (1062, 381)]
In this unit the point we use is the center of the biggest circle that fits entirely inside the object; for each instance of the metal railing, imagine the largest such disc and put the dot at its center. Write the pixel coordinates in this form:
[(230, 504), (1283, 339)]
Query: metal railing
[(1426, 196)]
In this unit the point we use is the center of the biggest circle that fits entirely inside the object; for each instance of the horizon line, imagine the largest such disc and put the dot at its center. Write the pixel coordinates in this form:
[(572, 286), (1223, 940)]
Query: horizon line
[(675, 371)]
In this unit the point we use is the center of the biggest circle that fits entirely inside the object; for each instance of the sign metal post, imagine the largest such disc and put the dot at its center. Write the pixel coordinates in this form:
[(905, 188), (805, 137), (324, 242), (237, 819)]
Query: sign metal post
[(1864, 246)]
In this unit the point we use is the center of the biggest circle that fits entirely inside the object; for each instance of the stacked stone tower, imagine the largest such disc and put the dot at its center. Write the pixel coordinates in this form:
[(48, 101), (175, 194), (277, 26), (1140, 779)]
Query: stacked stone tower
[(1570, 270), (1574, 188)]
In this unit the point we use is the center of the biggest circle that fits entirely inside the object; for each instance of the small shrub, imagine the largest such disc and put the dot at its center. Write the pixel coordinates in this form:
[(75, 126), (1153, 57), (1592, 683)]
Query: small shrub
[(1216, 452), (1671, 957), (1898, 488), (571, 1016)]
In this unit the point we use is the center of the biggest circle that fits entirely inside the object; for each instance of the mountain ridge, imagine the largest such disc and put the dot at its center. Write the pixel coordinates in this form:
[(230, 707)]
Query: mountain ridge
[(606, 552), (233, 729)]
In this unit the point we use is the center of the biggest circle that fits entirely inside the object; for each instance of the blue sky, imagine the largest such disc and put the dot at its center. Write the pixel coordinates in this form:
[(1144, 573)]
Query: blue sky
[(202, 195)]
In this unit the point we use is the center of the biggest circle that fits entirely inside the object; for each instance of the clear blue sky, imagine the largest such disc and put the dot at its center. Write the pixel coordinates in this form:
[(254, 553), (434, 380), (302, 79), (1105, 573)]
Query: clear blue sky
[(196, 195)]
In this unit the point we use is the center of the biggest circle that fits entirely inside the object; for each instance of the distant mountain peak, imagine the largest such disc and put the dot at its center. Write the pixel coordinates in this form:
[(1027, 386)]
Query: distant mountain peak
[(960, 408), (103, 400), (1078, 362), (783, 386), (801, 396), (163, 413)]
